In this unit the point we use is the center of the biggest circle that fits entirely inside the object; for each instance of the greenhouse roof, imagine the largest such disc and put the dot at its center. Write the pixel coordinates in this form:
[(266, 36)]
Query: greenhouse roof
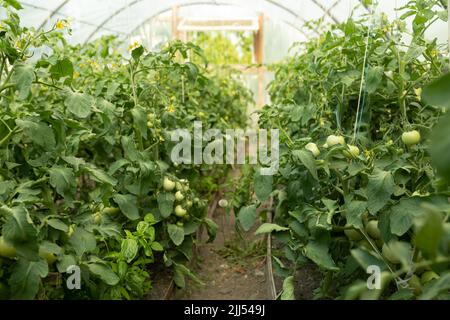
[(127, 18)]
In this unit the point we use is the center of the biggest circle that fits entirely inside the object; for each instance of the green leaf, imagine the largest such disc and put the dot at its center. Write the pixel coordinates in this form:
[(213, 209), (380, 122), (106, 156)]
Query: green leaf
[(18, 226), (308, 161), (263, 186), (404, 213), (288, 289), (165, 204), (14, 3), (318, 253), (211, 227), (434, 289), (429, 232), (104, 272), (63, 180), (247, 216), (379, 190), (269, 227), (65, 262), (140, 120), (354, 212), (26, 278), (176, 234), (438, 93), (137, 53), (365, 259), (439, 146), (80, 104), (38, 132), (62, 68), (101, 176), (58, 225), (374, 79), (23, 78), (127, 204), (129, 249), (82, 241), (156, 246)]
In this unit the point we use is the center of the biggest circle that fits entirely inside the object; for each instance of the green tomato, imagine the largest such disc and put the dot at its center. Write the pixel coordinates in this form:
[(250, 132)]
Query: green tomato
[(6, 249), (50, 257), (188, 204), (179, 196), (354, 151), (168, 184), (97, 217), (111, 211), (333, 140), (427, 276), (411, 138), (180, 211), (389, 254), (366, 244), (353, 235), (180, 224), (178, 186), (372, 229), (223, 203), (313, 148)]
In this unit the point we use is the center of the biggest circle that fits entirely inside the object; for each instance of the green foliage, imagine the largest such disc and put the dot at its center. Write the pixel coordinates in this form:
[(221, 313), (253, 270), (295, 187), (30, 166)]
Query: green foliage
[(327, 199), (84, 149)]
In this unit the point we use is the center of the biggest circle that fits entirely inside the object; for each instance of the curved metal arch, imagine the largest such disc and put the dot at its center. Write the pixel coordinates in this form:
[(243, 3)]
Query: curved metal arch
[(52, 14), (120, 10), (147, 20), (32, 6)]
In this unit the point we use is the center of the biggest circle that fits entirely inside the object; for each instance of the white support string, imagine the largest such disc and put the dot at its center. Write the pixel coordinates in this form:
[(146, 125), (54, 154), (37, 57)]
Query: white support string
[(363, 73)]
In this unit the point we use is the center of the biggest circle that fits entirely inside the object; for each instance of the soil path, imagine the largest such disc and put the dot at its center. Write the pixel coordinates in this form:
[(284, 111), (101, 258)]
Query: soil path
[(231, 267)]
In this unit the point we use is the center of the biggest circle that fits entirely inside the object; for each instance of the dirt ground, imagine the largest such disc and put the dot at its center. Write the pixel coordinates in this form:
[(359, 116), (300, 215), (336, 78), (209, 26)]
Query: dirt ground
[(227, 273)]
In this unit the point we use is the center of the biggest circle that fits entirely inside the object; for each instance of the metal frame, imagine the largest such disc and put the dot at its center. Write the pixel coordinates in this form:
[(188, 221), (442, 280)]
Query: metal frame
[(29, 5), (52, 14), (212, 2), (147, 20)]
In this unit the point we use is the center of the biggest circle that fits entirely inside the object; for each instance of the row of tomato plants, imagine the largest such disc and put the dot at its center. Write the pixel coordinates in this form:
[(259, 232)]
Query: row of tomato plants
[(86, 178), (364, 175)]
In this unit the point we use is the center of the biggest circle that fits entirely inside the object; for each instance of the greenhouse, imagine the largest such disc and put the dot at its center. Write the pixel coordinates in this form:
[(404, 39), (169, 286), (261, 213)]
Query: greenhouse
[(224, 150)]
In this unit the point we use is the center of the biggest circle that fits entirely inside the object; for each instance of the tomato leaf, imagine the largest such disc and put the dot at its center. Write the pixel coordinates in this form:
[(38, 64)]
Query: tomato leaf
[(104, 272), (438, 93), (262, 185), (318, 253), (176, 234), (269, 227), (127, 204), (80, 104), (379, 190), (26, 278), (165, 204), (38, 132), (247, 216), (23, 78), (288, 289), (308, 161)]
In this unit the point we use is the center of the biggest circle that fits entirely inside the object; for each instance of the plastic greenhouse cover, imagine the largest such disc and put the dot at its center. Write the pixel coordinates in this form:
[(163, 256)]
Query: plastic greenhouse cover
[(135, 19)]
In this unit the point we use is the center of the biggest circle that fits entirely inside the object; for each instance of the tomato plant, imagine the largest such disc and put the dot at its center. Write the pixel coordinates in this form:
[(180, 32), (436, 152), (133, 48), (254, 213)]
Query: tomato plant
[(356, 184), (86, 175)]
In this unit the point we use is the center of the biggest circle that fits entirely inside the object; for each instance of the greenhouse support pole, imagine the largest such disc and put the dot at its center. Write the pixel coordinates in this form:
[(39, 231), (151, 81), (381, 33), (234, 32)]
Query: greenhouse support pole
[(259, 56), (175, 33)]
